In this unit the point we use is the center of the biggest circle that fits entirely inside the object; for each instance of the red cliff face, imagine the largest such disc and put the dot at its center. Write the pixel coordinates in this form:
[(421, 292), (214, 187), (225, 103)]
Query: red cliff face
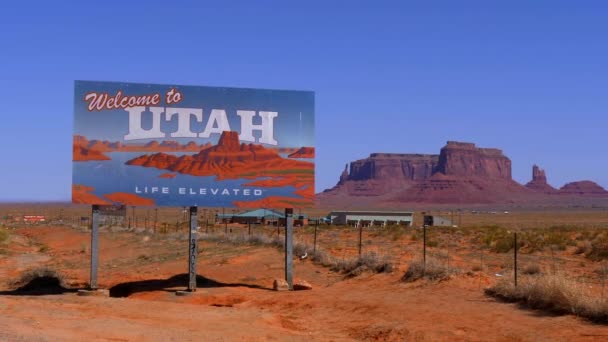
[(462, 174), (583, 188), (384, 172), (539, 181), (466, 160), (393, 166)]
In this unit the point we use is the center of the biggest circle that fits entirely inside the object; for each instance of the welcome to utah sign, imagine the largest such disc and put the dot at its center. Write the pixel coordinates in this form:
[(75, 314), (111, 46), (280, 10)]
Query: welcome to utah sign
[(170, 145)]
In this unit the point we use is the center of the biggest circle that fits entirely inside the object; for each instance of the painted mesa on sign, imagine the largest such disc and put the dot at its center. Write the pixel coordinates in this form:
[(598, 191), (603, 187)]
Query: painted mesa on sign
[(161, 145)]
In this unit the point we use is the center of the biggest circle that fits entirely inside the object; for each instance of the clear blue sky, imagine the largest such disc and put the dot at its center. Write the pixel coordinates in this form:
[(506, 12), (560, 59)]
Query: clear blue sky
[(530, 77)]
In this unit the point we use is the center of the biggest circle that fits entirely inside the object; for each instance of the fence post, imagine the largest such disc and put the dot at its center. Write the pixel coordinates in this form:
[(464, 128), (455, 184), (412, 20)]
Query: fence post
[(225, 221), (424, 250), (314, 246), (515, 257), (360, 238), (155, 219)]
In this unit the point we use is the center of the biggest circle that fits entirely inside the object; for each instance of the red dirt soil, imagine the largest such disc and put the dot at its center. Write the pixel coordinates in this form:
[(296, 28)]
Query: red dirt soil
[(238, 305)]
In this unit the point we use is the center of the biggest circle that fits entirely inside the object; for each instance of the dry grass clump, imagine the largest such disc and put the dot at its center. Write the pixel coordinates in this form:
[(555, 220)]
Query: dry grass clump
[(583, 247), (599, 248), (497, 238), (553, 293), (500, 240), (41, 280), (433, 270), (3, 235), (531, 269), (368, 262)]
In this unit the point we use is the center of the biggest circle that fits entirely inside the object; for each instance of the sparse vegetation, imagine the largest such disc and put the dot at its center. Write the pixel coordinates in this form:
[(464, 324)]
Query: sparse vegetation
[(599, 248), (3, 235), (554, 293), (583, 247), (41, 280), (369, 262), (531, 269), (433, 270)]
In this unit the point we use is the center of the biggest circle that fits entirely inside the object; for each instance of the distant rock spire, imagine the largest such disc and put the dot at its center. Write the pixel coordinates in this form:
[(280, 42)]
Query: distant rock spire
[(344, 175), (539, 181)]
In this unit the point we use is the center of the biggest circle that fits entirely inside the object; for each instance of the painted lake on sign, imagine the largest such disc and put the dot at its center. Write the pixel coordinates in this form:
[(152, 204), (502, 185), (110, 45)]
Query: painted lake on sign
[(110, 176)]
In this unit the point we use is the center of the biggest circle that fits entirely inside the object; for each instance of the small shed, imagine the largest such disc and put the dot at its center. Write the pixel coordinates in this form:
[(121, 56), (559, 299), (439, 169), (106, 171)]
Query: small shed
[(436, 221)]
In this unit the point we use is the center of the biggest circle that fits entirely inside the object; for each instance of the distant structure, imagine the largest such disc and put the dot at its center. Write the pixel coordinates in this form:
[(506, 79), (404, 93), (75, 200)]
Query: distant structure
[(262, 216), (436, 221), (371, 218)]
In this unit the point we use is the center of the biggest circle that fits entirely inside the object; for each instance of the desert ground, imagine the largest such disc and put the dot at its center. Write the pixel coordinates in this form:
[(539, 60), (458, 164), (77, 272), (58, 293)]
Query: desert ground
[(143, 267)]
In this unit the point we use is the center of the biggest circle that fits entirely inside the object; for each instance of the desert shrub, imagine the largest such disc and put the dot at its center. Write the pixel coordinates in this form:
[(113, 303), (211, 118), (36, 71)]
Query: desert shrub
[(433, 270), (3, 235), (432, 243), (395, 232), (43, 248), (602, 271), (531, 269), (502, 245), (554, 293), (41, 280), (371, 262), (599, 248), (557, 239), (498, 239), (583, 247)]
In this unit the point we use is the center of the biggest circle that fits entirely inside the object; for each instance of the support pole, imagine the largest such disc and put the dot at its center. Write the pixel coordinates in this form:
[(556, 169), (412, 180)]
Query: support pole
[(515, 257), (249, 222), (225, 221), (360, 239), (192, 250), (155, 219), (94, 246), (314, 246), (289, 247), (424, 250)]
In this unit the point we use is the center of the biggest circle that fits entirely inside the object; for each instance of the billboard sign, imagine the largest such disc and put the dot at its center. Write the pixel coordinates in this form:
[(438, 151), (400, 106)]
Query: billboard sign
[(173, 145)]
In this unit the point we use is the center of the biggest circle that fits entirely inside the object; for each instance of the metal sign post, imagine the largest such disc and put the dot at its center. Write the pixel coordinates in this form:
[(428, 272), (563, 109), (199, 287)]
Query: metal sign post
[(94, 245), (192, 250), (289, 247)]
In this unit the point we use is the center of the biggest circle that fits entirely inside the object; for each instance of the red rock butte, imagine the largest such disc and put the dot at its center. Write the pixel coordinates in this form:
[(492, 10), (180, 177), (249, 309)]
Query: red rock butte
[(461, 174)]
